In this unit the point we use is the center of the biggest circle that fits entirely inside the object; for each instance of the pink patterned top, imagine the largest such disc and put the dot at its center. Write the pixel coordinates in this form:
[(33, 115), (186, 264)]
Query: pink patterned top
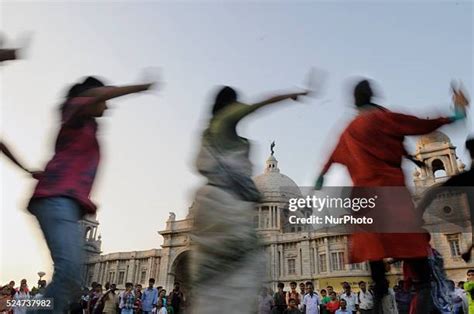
[(72, 170)]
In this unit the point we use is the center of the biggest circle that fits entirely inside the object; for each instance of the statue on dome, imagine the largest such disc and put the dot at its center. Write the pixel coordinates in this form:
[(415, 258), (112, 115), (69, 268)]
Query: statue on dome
[(172, 217), (272, 145)]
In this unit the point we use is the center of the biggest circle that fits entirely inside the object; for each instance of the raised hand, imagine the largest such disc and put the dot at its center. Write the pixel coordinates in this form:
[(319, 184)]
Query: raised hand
[(319, 183), (460, 100), (151, 77), (296, 95), (23, 44), (314, 83), (459, 96)]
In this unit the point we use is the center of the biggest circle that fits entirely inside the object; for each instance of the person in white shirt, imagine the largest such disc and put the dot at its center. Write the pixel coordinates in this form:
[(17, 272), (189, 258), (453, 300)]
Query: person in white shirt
[(350, 298), (365, 299), (302, 293), (343, 308), (311, 300)]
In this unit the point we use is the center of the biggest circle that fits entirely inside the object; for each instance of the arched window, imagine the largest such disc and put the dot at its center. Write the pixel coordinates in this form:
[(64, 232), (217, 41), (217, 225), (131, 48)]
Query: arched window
[(439, 170), (88, 232)]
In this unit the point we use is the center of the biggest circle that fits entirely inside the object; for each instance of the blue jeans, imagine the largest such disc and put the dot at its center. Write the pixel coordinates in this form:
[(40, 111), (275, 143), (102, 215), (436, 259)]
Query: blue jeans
[(58, 218)]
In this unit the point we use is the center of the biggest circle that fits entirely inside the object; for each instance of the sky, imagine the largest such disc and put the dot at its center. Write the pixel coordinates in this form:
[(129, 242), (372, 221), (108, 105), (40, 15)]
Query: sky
[(149, 142)]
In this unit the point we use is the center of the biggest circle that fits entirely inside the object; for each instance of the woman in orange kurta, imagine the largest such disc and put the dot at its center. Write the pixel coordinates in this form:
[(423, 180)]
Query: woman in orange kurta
[(371, 148)]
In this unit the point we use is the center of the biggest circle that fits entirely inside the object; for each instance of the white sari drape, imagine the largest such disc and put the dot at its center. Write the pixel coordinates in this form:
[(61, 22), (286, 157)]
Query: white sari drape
[(227, 259)]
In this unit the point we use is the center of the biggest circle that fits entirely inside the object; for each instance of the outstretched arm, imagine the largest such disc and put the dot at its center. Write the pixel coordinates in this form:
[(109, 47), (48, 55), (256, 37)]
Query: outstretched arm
[(276, 99), (96, 96), (238, 113), (401, 124), (109, 92)]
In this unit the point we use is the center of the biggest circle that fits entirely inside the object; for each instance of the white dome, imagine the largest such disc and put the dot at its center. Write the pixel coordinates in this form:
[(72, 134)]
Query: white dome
[(274, 186)]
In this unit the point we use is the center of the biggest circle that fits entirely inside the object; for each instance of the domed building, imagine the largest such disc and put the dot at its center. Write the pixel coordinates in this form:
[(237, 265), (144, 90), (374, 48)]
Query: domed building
[(276, 190), (438, 154), (299, 252), (447, 218)]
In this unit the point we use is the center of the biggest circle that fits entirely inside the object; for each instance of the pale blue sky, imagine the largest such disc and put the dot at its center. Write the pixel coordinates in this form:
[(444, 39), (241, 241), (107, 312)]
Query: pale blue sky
[(149, 142)]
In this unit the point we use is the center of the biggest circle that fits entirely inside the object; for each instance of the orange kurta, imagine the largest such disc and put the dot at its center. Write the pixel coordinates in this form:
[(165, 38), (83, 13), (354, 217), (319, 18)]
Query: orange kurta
[(371, 148)]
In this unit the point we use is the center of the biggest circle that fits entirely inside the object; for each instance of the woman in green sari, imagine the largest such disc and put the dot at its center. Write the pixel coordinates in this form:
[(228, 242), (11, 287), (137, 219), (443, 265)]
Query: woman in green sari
[(227, 260)]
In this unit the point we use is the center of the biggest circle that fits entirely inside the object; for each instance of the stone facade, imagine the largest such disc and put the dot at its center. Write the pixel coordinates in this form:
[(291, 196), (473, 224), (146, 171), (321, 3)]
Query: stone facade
[(299, 253)]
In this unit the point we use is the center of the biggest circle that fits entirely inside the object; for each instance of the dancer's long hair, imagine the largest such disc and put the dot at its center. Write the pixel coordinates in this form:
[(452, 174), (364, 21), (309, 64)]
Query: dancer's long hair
[(77, 89), (363, 94), (226, 96)]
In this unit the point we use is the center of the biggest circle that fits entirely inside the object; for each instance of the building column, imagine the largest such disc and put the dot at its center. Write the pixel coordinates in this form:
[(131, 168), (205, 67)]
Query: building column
[(316, 258), (106, 271), (305, 251), (328, 257), (270, 214), (96, 276), (150, 265), (278, 272), (157, 271), (282, 261), (346, 255), (274, 217), (273, 252), (131, 272), (278, 217), (301, 261)]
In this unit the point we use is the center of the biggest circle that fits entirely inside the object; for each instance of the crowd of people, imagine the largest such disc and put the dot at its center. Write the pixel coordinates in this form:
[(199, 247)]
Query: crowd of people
[(10, 292), (133, 300), (299, 299), (103, 299), (399, 300)]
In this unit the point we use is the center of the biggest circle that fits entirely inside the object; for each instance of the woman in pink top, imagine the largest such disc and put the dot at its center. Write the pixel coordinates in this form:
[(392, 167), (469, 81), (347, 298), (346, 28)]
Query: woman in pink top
[(61, 196)]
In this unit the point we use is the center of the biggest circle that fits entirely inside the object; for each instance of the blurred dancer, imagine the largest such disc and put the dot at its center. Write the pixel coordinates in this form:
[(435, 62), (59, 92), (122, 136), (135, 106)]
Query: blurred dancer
[(371, 148), (61, 196), (226, 259)]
